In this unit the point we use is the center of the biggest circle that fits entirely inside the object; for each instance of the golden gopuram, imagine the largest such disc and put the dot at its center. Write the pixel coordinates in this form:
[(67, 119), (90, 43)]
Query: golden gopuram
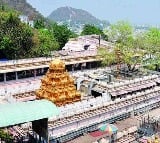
[(58, 86)]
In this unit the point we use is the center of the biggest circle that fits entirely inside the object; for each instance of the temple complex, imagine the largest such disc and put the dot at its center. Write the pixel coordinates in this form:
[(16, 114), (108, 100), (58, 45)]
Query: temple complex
[(57, 85), (104, 98)]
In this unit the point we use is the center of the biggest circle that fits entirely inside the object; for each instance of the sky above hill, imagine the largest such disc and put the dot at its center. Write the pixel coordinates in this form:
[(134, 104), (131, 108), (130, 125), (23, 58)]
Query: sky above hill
[(135, 11)]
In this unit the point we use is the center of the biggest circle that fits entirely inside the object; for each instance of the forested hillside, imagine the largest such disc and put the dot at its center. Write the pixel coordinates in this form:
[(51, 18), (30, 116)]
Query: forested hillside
[(23, 7), (19, 40)]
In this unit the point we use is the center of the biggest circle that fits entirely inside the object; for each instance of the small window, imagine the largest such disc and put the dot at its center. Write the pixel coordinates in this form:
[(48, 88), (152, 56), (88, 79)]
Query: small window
[(86, 47)]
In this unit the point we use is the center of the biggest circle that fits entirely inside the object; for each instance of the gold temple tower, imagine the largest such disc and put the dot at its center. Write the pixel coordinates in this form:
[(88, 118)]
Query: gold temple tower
[(57, 85)]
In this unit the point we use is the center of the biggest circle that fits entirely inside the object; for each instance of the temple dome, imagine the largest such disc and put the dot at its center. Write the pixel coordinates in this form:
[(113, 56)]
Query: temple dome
[(57, 63)]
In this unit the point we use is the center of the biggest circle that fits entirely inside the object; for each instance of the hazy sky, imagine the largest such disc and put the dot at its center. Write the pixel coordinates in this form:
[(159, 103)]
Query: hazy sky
[(135, 11)]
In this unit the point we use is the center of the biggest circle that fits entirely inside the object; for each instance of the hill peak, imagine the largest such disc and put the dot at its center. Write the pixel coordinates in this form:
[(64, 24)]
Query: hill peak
[(75, 17)]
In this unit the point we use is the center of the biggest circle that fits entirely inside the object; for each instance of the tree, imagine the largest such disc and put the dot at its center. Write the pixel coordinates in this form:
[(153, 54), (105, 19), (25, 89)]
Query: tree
[(108, 56), (129, 48), (152, 48), (91, 29), (39, 24), (19, 40), (120, 32), (62, 34), (45, 42), (15, 37), (5, 136), (132, 58)]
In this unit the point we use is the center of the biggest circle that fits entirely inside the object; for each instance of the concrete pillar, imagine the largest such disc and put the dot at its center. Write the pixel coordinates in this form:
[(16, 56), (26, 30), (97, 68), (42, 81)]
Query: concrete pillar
[(72, 68), (35, 73), (25, 73), (81, 67), (4, 77), (16, 75), (42, 70)]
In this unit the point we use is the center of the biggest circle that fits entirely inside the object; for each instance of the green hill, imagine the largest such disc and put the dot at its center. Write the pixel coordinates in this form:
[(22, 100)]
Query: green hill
[(75, 18), (23, 7)]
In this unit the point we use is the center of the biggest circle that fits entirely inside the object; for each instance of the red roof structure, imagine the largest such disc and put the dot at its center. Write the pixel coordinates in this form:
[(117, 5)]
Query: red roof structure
[(98, 133)]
